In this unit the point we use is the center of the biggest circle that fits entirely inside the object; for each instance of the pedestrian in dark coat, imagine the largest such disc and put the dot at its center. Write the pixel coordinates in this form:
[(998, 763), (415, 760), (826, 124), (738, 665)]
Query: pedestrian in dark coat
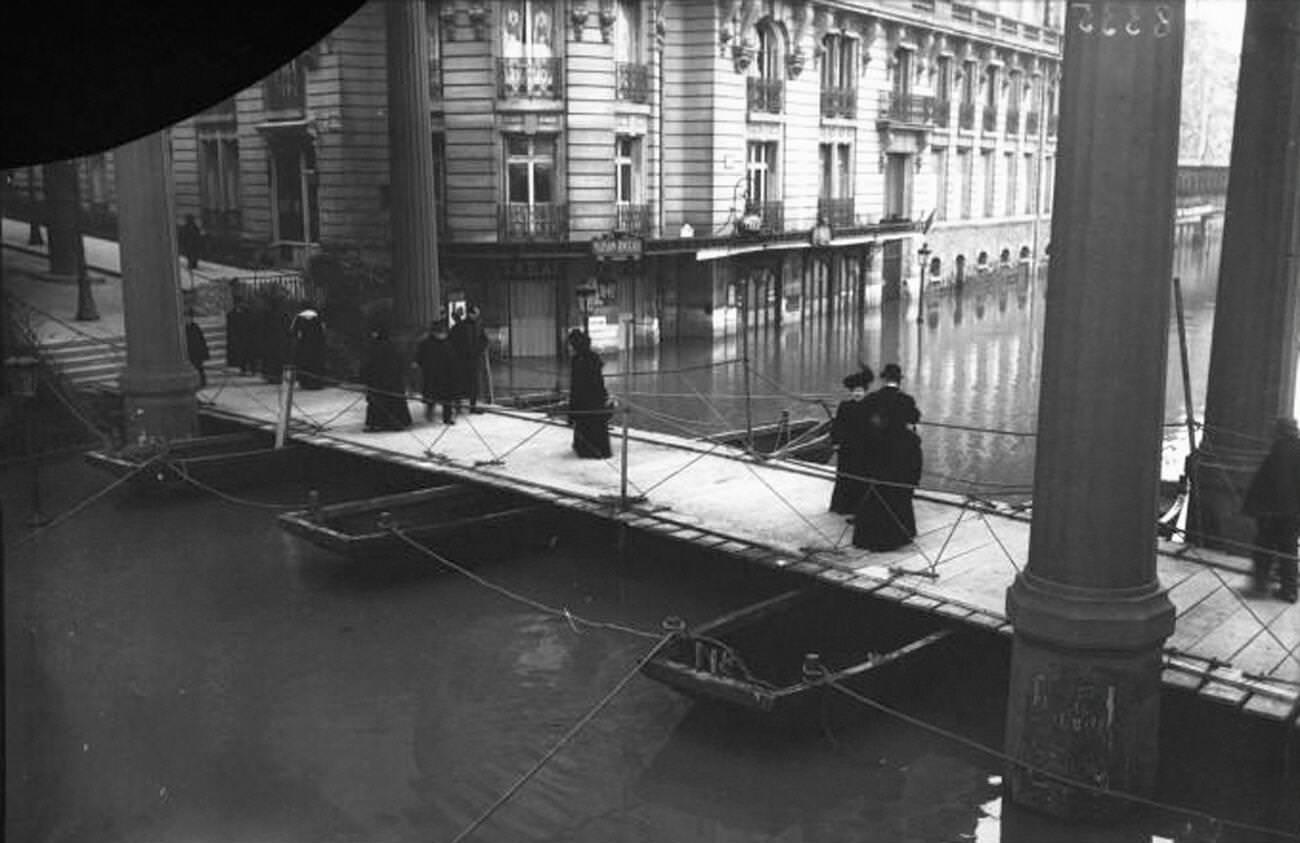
[(384, 376), (190, 239), (1273, 500), (850, 434), (272, 337), (437, 362), (307, 333), (196, 347), (239, 353), (469, 341), (589, 403), (885, 519)]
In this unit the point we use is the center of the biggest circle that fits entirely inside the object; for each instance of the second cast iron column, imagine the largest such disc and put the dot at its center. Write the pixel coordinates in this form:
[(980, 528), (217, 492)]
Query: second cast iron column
[(412, 211), (1253, 354), (1089, 613)]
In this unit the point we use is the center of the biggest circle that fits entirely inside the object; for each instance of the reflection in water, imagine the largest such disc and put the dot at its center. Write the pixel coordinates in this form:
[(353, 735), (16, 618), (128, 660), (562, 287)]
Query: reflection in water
[(973, 364)]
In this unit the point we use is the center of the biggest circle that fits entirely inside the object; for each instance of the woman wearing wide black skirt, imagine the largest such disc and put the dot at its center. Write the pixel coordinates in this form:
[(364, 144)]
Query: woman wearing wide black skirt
[(385, 380), (849, 433), (885, 520), (589, 411)]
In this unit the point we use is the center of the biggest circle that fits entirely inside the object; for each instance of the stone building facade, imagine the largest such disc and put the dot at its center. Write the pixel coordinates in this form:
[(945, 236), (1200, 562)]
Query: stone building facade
[(654, 169)]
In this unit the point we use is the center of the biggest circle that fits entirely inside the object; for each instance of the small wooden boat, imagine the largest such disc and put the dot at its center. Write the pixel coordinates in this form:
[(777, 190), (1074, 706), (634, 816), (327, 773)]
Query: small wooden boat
[(754, 658), (223, 461), (808, 440), (363, 529)]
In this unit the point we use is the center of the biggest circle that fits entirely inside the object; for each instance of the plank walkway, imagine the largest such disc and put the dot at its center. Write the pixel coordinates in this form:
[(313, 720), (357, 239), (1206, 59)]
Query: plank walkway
[(1237, 649)]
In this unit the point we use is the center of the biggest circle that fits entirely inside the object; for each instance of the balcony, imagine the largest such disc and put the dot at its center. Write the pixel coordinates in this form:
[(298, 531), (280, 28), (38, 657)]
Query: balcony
[(840, 103), (908, 109), (530, 79), (632, 219), (943, 113), (766, 95), (223, 113), (520, 221), (631, 82), (1031, 123), (966, 116), (1013, 122), (762, 218), (435, 79), (990, 123), (285, 90), (837, 212)]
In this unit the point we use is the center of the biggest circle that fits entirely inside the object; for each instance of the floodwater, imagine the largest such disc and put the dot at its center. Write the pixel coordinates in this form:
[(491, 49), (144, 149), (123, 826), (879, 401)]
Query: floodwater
[(182, 670), (972, 363)]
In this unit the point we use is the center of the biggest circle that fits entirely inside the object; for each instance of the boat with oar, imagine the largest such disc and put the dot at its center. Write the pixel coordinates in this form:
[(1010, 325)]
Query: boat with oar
[(374, 527), (224, 461), (767, 657), (807, 440)]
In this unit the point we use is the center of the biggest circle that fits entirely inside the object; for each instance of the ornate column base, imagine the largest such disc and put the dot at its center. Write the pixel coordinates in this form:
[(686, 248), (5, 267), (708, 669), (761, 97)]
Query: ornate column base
[(1084, 699), (160, 404), (1219, 477)]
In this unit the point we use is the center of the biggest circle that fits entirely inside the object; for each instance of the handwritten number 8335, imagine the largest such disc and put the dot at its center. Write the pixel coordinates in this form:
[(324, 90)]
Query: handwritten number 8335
[(1132, 19)]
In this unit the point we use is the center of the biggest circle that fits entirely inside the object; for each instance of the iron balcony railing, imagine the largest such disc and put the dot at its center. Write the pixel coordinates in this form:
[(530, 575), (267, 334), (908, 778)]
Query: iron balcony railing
[(521, 221), (763, 218), (966, 116), (286, 88), (530, 79), (990, 118), (943, 113), (1013, 122), (910, 109), (837, 212), (840, 102), (766, 95), (1031, 123), (632, 219), (632, 82), (435, 79)]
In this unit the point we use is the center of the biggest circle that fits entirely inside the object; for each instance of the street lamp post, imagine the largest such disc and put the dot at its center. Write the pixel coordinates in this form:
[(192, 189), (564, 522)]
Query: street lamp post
[(924, 253), (21, 372)]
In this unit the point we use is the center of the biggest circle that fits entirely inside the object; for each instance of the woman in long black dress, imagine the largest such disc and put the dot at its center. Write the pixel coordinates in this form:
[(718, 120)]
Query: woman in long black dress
[(849, 433), (588, 400), (885, 519), (385, 380)]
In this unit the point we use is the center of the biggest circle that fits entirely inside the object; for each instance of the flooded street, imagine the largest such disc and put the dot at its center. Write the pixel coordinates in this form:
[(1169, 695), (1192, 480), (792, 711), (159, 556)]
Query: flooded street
[(182, 670), (972, 364)]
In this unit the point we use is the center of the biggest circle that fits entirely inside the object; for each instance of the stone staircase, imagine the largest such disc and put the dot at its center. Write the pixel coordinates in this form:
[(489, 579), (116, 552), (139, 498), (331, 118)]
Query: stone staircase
[(94, 364)]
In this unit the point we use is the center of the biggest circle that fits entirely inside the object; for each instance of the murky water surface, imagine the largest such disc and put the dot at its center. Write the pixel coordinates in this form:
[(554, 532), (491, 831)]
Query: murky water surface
[(182, 670)]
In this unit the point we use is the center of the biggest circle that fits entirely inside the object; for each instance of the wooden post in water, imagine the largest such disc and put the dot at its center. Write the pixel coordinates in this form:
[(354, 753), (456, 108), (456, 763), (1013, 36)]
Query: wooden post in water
[(1182, 357), (622, 490), (286, 405)]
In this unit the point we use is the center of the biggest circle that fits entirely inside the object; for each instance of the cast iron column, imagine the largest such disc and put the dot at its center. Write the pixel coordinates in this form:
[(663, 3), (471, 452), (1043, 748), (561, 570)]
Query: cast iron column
[(410, 140), (1253, 355), (1089, 612), (62, 215), (158, 384)]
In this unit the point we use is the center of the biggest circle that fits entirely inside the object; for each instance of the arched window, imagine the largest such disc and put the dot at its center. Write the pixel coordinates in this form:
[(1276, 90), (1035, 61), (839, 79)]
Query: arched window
[(1005, 256), (766, 83)]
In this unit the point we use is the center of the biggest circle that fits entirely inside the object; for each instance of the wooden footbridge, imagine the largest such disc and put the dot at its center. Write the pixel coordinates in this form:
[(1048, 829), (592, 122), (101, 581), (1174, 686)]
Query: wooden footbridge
[(1237, 649)]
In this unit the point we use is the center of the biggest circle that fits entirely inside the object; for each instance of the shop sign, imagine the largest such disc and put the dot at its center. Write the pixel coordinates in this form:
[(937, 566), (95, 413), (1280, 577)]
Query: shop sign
[(617, 247)]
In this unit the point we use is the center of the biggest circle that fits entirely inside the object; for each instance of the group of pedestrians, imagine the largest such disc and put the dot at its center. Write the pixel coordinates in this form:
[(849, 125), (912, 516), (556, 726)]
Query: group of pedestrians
[(262, 337), (449, 361), (879, 459)]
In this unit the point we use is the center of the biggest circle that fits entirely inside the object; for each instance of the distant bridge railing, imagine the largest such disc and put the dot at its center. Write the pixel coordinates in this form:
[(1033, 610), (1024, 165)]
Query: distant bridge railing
[(1202, 185)]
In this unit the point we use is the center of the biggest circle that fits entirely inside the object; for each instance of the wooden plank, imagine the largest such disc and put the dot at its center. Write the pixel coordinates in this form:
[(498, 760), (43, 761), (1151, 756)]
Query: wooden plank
[(1177, 678), (1269, 708), (1203, 617), (1229, 695)]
